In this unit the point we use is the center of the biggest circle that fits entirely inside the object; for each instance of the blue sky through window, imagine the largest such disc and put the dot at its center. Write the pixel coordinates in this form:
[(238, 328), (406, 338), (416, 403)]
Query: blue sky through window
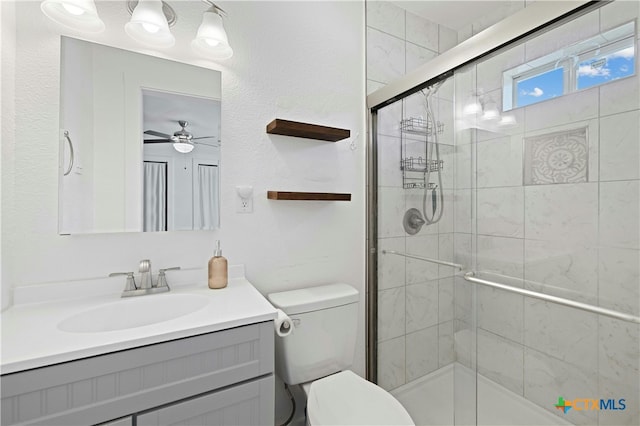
[(606, 68), (540, 87)]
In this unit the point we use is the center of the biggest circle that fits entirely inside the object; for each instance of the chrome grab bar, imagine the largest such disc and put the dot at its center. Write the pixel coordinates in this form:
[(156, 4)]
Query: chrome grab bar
[(426, 259), (470, 276), (71, 154)]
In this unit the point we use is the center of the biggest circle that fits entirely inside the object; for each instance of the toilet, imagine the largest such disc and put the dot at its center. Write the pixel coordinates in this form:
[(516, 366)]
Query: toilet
[(318, 353)]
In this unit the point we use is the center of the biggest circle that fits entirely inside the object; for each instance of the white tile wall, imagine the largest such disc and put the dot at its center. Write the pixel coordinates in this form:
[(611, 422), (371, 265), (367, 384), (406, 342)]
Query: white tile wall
[(619, 223), (421, 306), (446, 354), (619, 148), (575, 343), (391, 268), (391, 313), (563, 212), (501, 360), (500, 162), (546, 378), (562, 268), (418, 270), (386, 17), (391, 363), (500, 255), (385, 56), (619, 270), (501, 313), (445, 299), (422, 32), (501, 211), (421, 356), (415, 302), (619, 351)]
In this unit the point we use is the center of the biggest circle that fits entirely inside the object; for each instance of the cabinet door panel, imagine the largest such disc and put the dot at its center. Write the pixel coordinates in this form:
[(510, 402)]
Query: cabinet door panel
[(242, 405)]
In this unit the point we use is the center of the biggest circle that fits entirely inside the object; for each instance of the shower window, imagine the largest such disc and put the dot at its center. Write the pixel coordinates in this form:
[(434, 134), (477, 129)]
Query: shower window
[(538, 87), (601, 59), (600, 66)]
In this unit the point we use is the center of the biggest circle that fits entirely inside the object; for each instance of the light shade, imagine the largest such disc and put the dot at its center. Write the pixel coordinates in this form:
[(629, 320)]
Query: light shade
[(490, 111), (148, 25), (79, 15), (472, 108), (183, 147), (211, 40)]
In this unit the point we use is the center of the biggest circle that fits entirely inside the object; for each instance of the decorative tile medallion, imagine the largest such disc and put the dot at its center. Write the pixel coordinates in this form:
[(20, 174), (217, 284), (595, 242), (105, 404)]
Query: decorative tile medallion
[(559, 157)]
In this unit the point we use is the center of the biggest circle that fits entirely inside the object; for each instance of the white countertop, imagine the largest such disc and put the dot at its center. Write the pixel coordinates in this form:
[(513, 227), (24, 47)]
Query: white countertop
[(31, 338)]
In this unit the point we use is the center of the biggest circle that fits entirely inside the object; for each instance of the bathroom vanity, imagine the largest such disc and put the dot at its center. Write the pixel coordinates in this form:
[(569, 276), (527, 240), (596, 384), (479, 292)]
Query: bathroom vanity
[(210, 366)]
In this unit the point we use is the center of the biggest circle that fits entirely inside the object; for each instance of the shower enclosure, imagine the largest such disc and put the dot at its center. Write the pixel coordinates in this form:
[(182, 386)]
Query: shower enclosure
[(504, 232)]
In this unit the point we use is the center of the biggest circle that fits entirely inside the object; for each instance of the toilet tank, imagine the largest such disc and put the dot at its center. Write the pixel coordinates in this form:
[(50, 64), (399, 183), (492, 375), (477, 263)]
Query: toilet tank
[(323, 338)]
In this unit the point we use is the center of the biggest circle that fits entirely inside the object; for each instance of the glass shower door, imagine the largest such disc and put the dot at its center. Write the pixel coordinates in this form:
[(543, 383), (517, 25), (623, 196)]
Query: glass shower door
[(554, 195), (418, 354)]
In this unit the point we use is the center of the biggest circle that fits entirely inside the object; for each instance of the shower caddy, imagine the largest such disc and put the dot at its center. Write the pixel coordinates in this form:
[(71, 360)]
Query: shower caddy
[(415, 169)]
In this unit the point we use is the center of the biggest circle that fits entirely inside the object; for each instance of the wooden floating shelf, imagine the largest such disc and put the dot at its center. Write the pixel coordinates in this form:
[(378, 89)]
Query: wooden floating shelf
[(305, 130), (309, 196)]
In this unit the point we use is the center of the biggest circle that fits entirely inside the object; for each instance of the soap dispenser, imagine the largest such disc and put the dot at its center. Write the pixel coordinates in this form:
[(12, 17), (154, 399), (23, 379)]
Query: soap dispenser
[(217, 269)]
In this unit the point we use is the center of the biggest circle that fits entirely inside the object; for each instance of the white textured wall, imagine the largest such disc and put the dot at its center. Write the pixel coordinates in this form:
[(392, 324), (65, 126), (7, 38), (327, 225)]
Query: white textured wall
[(298, 61)]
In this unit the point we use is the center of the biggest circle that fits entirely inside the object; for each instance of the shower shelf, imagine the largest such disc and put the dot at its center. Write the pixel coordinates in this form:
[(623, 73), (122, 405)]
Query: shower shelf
[(420, 164), (420, 126), (414, 152), (417, 185)]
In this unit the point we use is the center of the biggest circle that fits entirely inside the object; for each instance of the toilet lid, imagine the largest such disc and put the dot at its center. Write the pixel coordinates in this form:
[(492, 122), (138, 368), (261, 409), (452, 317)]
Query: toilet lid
[(347, 399)]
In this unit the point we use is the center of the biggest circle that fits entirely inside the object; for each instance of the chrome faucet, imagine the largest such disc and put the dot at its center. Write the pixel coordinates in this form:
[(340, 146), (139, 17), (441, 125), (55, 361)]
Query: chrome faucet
[(146, 282)]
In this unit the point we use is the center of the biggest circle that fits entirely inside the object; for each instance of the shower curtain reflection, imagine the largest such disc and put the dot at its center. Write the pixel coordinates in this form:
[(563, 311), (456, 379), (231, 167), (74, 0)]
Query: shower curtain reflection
[(155, 196)]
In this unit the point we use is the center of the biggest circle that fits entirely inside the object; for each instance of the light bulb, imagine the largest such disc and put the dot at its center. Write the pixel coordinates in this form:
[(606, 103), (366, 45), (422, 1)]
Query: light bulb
[(211, 42), (472, 108), (73, 9), (507, 121), (150, 28)]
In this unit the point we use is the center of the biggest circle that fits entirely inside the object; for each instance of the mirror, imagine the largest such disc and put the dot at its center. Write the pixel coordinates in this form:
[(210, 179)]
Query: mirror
[(124, 116)]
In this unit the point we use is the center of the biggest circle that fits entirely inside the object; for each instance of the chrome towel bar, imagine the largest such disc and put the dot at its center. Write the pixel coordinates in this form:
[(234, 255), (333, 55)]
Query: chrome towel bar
[(470, 276), (426, 259)]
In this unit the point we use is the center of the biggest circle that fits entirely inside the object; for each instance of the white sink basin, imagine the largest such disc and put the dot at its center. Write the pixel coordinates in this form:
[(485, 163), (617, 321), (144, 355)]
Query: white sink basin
[(134, 312)]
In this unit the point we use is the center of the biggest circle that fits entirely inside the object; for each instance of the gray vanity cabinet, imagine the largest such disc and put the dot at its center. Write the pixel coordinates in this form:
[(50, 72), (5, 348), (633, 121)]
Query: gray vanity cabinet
[(224, 378), (236, 406)]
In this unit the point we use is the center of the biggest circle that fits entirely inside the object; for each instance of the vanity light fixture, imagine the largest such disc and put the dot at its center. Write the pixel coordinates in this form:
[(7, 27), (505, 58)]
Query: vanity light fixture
[(79, 15), (149, 24), (211, 40)]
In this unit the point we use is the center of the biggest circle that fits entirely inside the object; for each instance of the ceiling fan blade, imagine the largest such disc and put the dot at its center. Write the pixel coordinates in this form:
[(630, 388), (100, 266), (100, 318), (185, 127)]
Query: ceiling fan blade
[(215, 145), (154, 133), (157, 140), (203, 137)]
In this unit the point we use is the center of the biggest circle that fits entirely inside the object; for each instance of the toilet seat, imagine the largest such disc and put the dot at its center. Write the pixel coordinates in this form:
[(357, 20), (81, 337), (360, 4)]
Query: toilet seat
[(347, 399)]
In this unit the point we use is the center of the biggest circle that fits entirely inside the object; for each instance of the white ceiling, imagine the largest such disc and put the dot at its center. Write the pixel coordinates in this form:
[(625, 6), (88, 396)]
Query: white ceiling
[(161, 112), (455, 14)]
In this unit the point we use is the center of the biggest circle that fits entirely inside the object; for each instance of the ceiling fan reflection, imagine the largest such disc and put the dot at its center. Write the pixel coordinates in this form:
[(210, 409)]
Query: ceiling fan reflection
[(182, 140)]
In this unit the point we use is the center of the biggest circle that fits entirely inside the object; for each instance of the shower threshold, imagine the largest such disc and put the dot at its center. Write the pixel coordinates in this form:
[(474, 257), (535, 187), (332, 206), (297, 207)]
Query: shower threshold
[(429, 400)]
